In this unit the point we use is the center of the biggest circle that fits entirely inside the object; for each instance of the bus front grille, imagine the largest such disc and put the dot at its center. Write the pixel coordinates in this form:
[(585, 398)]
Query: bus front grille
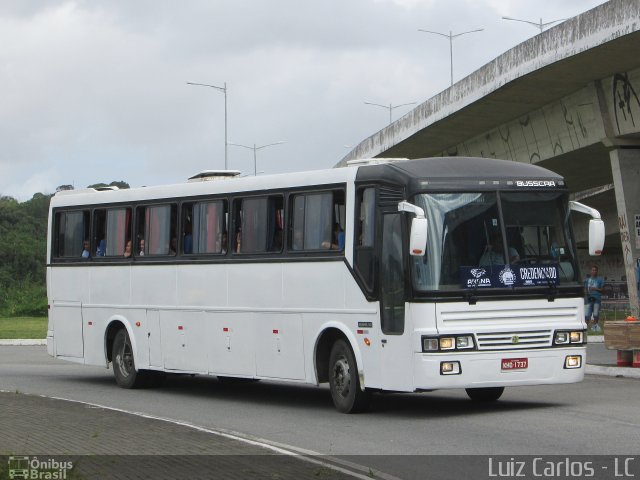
[(514, 340)]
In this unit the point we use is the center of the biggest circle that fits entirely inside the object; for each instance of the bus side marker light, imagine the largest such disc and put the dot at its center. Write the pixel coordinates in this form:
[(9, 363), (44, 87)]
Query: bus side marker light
[(573, 361), (180, 327), (89, 323), (138, 324), (367, 342), (450, 368)]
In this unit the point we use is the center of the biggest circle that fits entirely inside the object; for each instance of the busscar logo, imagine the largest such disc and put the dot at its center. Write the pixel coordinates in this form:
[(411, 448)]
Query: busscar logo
[(535, 183)]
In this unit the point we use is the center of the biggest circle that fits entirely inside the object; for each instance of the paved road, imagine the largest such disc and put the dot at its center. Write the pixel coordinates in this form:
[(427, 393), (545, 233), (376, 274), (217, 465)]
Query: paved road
[(598, 416)]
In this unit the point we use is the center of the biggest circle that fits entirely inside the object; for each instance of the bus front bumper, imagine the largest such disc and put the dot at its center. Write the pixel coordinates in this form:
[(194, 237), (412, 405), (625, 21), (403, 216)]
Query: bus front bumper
[(498, 368)]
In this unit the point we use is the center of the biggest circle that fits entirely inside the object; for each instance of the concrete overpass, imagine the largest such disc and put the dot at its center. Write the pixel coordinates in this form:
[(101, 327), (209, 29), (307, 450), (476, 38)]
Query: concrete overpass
[(568, 99)]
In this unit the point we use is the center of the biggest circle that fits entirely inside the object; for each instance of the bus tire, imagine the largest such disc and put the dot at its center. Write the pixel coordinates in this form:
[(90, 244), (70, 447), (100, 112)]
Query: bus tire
[(344, 381), (124, 366), (490, 394)]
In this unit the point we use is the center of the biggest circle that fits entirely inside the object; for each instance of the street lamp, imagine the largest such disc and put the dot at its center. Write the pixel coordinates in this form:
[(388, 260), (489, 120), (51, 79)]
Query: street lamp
[(540, 25), (451, 36), (223, 90), (390, 107), (255, 149)]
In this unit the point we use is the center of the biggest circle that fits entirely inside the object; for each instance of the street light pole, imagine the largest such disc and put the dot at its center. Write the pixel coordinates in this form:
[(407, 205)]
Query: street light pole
[(255, 150), (223, 90), (390, 107), (451, 36), (540, 25)]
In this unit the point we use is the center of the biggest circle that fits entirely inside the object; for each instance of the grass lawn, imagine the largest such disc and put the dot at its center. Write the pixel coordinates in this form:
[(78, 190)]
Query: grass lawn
[(23, 327)]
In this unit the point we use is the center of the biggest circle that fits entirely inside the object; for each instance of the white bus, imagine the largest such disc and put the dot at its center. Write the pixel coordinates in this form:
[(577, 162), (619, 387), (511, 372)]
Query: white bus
[(388, 275)]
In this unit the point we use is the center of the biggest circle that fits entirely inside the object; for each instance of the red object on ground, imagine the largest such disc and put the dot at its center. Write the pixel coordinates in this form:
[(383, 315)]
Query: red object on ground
[(624, 358), (635, 362)]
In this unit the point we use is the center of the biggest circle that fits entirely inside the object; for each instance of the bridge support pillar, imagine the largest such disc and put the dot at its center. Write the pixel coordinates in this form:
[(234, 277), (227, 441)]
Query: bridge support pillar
[(625, 166)]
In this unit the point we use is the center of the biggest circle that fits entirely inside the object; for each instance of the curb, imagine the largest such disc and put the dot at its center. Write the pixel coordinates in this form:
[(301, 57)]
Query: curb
[(23, 342), (627, 372)]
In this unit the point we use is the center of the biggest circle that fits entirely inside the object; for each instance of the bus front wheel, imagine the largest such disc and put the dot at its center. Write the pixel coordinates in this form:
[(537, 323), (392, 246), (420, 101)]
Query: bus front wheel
[(124, 367), (489, 394), (344, 381)]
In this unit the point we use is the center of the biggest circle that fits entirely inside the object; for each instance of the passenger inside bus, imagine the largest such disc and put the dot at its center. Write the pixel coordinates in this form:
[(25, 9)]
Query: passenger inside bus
[(86, 252), (128, 249)]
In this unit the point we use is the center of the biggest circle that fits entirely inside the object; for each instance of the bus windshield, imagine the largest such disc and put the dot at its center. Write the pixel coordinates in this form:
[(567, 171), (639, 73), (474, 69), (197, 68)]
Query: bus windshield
[(495, 240)]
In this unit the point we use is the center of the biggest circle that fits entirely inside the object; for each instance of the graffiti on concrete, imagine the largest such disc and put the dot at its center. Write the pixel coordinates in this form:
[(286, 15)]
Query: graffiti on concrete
[(557, 128), (625, 100)]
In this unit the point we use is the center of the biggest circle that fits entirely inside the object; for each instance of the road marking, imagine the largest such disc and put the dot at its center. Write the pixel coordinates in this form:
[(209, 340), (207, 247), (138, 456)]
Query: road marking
[(302, 454)]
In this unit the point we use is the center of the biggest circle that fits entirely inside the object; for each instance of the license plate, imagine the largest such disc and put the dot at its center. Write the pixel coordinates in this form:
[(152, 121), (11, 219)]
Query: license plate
[(515, 363)]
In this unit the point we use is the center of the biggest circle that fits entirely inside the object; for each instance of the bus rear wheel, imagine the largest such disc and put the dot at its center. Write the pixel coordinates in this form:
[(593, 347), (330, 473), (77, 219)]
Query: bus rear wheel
[(124, 366), (344, 381), (489, 394)]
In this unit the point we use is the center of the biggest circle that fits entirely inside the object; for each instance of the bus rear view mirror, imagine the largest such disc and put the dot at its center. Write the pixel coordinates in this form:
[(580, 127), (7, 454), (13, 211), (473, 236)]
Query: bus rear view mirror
[(418, 238), (596, 236), (596, 227), (418, 235)]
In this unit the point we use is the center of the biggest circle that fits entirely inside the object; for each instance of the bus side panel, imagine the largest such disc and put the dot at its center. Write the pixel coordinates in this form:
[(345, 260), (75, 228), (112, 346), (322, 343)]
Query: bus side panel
[(279, 347), (68, 290), (230, 345), (184, 341)]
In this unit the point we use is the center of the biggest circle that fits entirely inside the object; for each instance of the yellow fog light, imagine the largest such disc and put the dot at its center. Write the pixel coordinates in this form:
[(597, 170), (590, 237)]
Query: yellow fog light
[(450, 368), (576, 337), (573, 361), (447, 343)]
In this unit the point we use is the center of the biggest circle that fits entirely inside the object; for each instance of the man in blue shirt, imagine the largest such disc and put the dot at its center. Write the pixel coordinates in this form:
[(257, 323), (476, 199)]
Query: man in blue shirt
[(593, 290)]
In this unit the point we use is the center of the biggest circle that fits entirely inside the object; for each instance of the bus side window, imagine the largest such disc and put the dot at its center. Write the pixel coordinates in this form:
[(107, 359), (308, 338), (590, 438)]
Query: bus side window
[(365, 236), (317, 222), (72, 230), (205, 227), (156, 225), (258, 224)]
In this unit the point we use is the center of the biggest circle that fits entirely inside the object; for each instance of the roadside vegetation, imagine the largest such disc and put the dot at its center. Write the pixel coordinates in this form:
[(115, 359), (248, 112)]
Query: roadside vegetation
[(23, 244), (23, 327)]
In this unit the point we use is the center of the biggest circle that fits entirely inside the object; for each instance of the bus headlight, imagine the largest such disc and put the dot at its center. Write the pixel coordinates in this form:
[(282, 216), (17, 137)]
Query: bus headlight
[(464, 342), (576, 337), (566, 337), (429, 344), (448, 343)]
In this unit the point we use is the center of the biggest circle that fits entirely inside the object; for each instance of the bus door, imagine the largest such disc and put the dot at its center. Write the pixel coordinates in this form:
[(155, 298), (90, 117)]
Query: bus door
[(395, 338)]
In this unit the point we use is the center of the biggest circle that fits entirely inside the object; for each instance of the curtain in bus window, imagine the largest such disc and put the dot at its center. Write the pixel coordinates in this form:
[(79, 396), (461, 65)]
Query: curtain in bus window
[(207, 219), (254, 225), (158, 229), (443, 218), (318, 220), (298, 223), (117, 231), (73, 234)]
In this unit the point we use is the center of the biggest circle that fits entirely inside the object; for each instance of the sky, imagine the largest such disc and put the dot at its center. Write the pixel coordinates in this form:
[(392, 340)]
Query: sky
[(96, 91)]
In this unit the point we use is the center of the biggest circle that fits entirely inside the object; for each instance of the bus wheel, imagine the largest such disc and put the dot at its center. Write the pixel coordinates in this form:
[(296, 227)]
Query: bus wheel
[(344, 381), (124, 367), (490, 394)]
